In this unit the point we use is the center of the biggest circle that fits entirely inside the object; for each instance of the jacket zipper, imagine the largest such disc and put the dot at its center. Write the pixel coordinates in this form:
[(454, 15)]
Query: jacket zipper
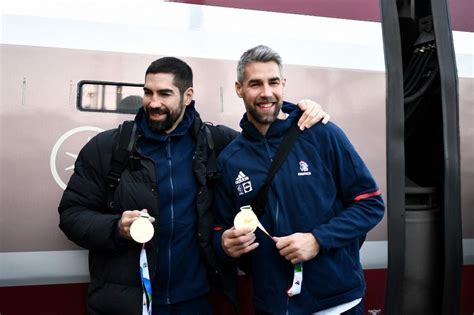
[(269, 152), (170, 165), (277, 212)]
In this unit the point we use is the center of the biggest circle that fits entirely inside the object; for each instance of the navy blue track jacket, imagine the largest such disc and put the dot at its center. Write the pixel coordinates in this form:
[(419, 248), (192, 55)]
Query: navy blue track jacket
[(181, 274), (323, 188)]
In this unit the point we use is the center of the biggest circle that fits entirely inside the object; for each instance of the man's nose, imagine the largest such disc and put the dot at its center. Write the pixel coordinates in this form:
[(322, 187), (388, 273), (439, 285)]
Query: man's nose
[(155, 101), (266, 91)]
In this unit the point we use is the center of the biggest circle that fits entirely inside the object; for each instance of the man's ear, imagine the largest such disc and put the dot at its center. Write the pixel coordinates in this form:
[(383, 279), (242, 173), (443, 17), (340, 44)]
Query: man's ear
[(238, 89), (188, 96)]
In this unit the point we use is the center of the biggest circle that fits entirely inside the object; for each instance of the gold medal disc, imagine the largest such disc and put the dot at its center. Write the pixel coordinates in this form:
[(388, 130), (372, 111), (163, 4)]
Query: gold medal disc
[(142, 230)]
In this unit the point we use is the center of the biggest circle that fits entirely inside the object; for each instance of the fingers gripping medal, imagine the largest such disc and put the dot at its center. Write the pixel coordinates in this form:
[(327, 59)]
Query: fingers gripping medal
[(141, 229)]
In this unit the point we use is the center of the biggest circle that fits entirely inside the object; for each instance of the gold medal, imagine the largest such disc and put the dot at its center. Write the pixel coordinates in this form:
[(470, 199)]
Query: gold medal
[(141, 229), (246, 218)]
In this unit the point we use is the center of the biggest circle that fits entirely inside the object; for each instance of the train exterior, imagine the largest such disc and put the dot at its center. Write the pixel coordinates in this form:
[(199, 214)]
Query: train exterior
[(333, 54)]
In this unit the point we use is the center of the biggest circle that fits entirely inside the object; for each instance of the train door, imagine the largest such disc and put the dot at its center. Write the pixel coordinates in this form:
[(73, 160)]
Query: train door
[(423, 163)]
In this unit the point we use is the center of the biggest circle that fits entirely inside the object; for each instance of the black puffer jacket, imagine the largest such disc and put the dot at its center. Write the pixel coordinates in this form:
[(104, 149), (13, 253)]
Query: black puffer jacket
[(87, 220)]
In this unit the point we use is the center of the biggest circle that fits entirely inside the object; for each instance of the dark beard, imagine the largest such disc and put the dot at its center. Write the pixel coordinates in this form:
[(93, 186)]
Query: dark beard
[(168, 122), (263, 120)]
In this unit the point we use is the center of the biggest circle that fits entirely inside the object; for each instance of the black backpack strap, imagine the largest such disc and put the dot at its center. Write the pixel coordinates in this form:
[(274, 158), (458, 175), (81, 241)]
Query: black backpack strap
[(212, 171), (221, 136), (127, 134), (260, 201), (218, 137)]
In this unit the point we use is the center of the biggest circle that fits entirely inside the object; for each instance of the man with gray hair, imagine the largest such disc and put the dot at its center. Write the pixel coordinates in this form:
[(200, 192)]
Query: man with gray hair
[(169, 175), (320, 202)]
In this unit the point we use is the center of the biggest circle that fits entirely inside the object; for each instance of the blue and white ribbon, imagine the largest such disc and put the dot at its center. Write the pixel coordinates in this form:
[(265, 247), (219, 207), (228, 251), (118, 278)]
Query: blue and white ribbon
[(146, 283)]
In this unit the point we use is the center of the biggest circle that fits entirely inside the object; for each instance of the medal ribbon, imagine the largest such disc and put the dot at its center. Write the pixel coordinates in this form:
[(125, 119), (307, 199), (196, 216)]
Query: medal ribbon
[(146, 284), (295, 289), (297, 280)]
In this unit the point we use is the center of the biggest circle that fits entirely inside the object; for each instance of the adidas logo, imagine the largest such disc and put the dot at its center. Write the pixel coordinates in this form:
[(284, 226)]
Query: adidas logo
[(243, 184), (241, 178)]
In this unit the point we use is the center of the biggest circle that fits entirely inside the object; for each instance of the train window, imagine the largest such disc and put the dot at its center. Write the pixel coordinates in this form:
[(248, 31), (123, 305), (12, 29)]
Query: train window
[(103, 96)]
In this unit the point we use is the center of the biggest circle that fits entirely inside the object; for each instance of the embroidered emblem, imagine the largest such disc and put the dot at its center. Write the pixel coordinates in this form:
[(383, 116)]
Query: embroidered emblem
[(241, 178), (304, 168), (243, 183)]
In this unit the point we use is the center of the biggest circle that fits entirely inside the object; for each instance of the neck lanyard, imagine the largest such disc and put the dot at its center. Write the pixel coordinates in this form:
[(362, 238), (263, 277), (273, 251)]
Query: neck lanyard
[(146, 284)]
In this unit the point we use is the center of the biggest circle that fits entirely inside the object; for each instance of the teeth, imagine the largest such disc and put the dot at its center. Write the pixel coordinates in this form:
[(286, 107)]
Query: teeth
[(265, 105)]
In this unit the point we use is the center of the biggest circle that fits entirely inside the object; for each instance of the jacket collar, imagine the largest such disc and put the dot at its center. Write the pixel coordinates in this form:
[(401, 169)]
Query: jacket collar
[(144, 129), (277, 128)]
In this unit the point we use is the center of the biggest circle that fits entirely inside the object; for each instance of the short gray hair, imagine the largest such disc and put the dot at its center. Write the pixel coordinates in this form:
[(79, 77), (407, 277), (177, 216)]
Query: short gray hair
[(259, 53)]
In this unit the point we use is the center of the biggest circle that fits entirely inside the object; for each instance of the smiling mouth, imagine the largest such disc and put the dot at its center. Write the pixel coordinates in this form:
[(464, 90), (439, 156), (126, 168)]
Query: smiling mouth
[(266, 106), (157, 113)]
